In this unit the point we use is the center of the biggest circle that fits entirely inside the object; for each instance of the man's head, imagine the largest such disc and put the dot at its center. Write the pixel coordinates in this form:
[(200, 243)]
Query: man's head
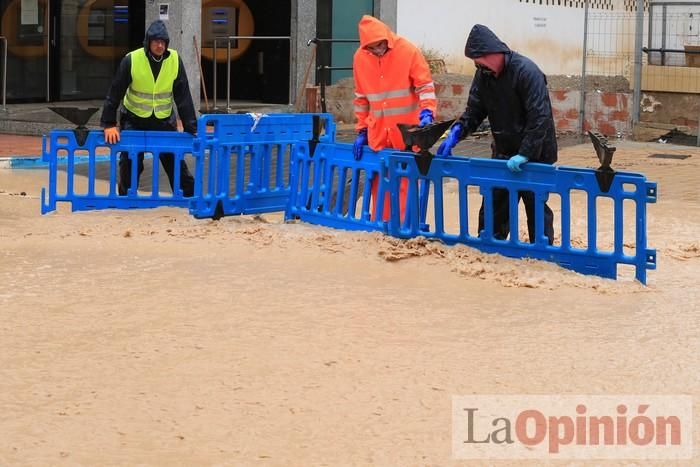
[(378, 48), (375, 36), (157, 39), (157, 47), (486, 49), (491, 64)]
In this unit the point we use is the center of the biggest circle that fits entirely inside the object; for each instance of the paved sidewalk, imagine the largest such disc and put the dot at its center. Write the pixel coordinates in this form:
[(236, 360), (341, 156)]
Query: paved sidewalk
[(20, 146)]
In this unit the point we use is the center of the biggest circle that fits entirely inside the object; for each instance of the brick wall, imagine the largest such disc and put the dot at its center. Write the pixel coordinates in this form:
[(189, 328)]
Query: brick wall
[(606, 112)]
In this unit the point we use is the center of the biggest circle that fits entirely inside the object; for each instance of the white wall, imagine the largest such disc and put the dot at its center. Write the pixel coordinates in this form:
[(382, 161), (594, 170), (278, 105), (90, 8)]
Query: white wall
[(552, 36)]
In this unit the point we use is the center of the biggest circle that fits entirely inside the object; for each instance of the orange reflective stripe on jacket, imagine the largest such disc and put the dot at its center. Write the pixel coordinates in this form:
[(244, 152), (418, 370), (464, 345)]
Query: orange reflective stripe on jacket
[(390, 89)]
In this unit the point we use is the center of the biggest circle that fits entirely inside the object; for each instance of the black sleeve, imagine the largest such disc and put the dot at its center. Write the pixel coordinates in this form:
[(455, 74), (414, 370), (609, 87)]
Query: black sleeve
[(475, 112), (183, 100), (121, 82), (532, 88)]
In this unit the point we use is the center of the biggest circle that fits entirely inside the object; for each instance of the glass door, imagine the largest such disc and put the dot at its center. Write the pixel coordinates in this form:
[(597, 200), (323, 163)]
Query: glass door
[(91, 38), (25, 25)]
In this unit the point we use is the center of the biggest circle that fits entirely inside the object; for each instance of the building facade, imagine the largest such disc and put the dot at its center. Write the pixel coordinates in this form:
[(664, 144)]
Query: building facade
[(67, 50)]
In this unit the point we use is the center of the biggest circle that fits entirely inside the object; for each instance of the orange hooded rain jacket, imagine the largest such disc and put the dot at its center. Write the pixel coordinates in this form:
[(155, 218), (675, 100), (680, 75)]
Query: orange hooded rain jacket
[(390, 89)]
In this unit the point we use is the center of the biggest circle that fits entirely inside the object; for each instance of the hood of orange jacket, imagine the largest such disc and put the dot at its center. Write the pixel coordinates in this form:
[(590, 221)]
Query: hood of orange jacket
[(372, 30)]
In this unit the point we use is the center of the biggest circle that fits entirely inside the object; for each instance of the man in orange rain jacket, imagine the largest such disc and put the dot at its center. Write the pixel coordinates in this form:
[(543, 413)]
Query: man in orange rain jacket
[(393, 85)]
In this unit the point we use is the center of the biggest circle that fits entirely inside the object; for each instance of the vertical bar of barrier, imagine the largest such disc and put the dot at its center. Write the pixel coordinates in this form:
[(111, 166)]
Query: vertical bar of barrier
[(228, 75), (638, 39), (663, 34), (4, 71), (582, 111), (214, 73), (291, 88)]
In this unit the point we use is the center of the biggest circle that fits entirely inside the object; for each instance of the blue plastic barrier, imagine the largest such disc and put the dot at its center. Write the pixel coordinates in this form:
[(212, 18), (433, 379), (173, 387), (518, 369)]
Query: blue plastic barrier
[(249, 170), (542, 180), (486, 174), (327, 185), (244, 128), (63, 146), (262, 148)]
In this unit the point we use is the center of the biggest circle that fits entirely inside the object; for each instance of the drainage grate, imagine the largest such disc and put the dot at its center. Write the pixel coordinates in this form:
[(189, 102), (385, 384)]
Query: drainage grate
[(670, 156)]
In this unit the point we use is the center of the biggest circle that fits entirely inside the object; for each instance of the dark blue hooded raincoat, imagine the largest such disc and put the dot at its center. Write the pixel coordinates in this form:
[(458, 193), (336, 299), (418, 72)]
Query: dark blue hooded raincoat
[(516, 102)]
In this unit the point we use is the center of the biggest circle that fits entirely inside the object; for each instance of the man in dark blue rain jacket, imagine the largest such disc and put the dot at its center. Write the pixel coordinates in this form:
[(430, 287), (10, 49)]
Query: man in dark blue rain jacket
[(511, 91), (148, 82)]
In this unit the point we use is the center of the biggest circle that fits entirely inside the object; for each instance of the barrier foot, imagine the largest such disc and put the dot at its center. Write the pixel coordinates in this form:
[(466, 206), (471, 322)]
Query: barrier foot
[(218, 211)]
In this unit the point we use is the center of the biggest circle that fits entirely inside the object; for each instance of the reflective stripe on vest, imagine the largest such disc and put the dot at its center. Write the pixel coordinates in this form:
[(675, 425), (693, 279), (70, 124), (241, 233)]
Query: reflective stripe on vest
[(145, 95), (379, 113)]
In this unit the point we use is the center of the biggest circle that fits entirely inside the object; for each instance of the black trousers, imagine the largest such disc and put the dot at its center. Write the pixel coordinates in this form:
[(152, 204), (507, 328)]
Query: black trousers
[(501, 215), (167, 159)]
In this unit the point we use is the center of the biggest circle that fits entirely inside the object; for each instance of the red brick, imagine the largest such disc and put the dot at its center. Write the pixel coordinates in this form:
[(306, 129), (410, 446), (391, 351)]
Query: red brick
[(606, 128), (445, 106), (563, 124), (586, 125), (457, 89), (619, 116), (559, 95), (609, 99), (572, 113), (440, 89), (17, 145)]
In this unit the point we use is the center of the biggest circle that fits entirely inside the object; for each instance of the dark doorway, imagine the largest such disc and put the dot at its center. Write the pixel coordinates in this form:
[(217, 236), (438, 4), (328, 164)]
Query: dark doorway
[(259, 68)]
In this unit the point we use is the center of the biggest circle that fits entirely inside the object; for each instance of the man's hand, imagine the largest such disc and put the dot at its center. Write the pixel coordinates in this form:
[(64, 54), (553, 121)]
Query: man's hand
[(360, 143), (515, 162), (426, 117), (112, 135), (451, 141)]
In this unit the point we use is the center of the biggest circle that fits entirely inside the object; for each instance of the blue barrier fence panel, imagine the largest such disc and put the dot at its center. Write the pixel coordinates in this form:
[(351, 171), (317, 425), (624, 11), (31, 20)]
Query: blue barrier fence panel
[(541, 180), (245, 128), (62, 146), (328, 185), (252, 160)]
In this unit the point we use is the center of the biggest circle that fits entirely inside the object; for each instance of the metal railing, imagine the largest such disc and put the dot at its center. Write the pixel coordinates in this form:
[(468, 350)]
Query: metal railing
[(4, 72), (228, 63), (325, 70)]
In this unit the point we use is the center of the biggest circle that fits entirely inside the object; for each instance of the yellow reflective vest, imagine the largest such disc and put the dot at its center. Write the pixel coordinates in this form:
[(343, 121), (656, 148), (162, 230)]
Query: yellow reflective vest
[(146, 96)]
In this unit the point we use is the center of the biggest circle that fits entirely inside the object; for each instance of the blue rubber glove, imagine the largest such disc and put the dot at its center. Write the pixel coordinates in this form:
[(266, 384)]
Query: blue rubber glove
[(451, 141), (426, 117), (515, 162), (360, 143)]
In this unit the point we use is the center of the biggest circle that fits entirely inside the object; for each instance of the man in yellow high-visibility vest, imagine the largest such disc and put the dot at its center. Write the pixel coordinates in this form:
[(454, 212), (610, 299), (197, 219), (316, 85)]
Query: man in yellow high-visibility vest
[(148, 82)]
